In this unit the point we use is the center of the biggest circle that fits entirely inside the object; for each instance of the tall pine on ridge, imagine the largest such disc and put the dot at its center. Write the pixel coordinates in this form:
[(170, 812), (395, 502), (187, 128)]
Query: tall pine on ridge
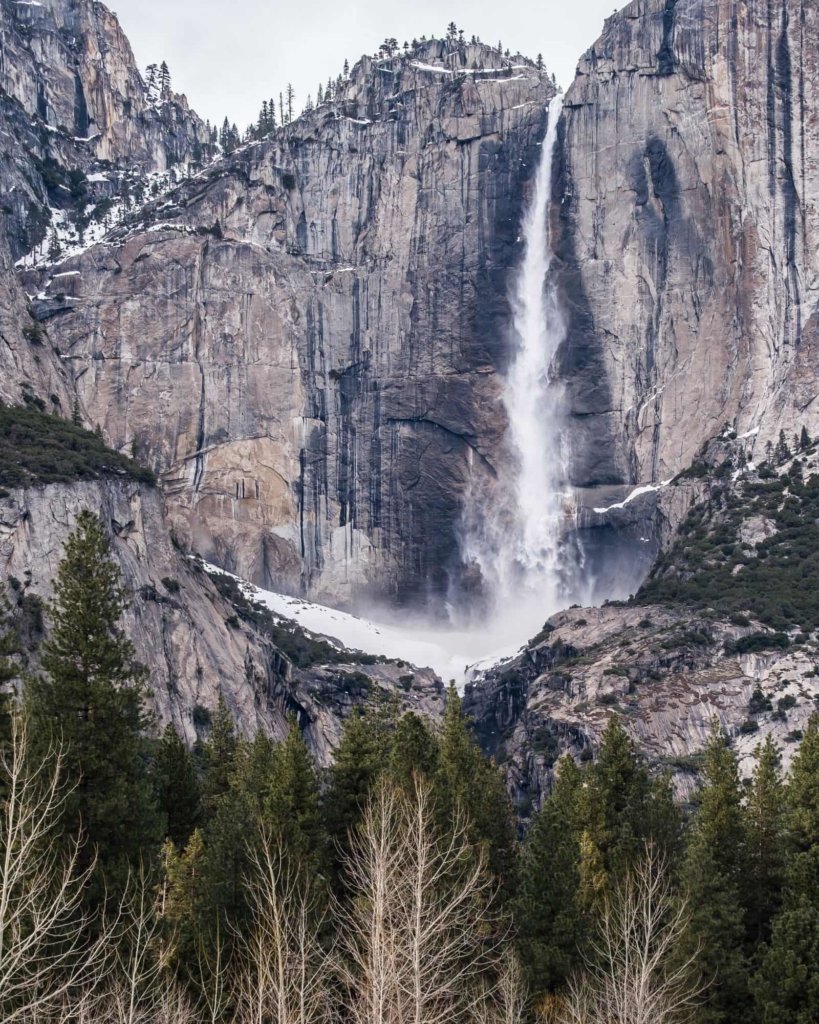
[(90, 699)]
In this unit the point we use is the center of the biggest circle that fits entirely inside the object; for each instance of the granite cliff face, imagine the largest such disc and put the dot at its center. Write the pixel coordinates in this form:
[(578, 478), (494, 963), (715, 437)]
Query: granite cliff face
[(688, 225), (304, 338), (77, 120), (68, 64)]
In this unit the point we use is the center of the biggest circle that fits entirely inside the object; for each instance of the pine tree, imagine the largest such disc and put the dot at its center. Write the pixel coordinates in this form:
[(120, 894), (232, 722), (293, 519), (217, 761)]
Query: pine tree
[(263, 124), (9, 669), (765, 816), (291, 95), (54, 248), (539, 62), (787, 984), (151, 77), (91, 699), (465, 779), (219, 758), (782, 452), (804, 439), (272, 791), (550, 925), (414, 751), (346, 68), (183, 898), (292, 811), (164, 81), (714, 874), (359, 760), (177, 787), (621, 809)]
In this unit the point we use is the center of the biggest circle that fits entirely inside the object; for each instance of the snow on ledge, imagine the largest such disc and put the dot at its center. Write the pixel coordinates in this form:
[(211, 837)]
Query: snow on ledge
[(644, 489)]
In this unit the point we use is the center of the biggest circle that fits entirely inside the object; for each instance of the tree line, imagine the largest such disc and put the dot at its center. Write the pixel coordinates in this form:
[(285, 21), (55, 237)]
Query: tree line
[(273, 113), (145, 881)]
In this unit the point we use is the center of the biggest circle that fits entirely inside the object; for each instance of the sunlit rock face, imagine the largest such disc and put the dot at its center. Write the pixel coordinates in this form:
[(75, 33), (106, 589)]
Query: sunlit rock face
[(688, 229), (306, 340)]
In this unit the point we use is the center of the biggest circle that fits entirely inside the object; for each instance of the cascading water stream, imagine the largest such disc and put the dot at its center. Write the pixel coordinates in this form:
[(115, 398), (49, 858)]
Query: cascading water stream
[(530, 399), (517, 541), (514, 526)]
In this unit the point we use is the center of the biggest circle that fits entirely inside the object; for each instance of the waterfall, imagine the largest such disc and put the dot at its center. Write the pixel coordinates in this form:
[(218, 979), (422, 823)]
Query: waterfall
[(515, 536), (534, 428)]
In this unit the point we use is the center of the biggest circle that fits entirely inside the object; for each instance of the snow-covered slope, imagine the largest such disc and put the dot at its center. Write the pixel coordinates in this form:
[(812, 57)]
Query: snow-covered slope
[(452, 653)]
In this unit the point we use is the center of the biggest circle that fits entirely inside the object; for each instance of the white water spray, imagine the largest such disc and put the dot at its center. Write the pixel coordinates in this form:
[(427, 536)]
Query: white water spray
[(517, 542)]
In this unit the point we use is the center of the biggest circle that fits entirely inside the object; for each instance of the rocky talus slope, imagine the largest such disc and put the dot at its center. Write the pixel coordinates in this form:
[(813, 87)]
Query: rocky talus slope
[(198, 640), (304, 339), (725, 629)]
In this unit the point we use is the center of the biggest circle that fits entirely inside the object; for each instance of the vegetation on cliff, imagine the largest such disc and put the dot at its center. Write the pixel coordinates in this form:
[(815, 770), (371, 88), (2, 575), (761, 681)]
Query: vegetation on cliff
[(750, 548), (38, 448)]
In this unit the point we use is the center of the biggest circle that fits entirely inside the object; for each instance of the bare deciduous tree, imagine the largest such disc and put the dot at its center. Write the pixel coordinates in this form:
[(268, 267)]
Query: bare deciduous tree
[(418, 935), (283, 971), (636, 973), (505, 1000), (141, 989), (45, 952)]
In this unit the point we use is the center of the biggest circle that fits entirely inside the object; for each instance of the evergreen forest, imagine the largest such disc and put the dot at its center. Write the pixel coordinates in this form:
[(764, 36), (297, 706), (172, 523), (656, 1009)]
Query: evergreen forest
[(146, 881)]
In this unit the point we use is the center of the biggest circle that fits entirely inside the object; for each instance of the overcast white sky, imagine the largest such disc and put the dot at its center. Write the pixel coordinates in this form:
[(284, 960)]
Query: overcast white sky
[(228, 55)]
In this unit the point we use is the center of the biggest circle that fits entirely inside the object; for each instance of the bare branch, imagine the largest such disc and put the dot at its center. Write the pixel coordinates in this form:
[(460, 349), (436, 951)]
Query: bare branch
[(636, 973), (45, 952)]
